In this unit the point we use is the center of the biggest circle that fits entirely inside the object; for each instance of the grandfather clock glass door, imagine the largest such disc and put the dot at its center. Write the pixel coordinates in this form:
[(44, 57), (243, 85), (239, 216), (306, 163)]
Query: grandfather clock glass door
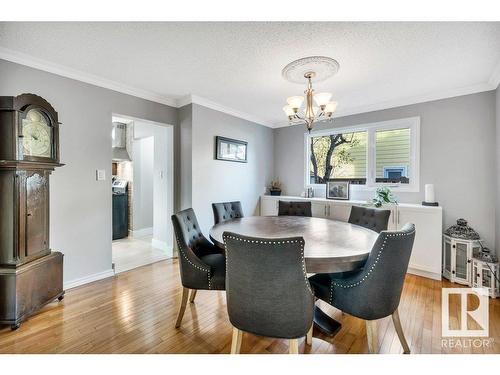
[(37, 214)]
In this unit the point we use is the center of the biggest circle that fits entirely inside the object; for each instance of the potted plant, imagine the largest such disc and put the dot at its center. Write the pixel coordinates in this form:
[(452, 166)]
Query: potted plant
[(275, 187), (383, 195)]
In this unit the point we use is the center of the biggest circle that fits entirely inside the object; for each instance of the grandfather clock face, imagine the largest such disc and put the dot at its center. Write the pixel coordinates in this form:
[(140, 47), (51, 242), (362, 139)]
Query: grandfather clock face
[(37, 135)]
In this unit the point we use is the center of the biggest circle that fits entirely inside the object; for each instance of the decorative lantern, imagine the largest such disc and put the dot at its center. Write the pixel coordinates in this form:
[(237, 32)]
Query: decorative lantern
[(486, 272), (460, 242)]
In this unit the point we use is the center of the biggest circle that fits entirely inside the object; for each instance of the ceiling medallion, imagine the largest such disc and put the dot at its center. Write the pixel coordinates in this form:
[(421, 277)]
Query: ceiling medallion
[(310, 69)]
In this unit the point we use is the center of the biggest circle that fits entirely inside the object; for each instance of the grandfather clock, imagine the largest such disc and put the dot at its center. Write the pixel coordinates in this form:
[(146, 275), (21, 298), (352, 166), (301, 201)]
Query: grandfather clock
[(31, 275)]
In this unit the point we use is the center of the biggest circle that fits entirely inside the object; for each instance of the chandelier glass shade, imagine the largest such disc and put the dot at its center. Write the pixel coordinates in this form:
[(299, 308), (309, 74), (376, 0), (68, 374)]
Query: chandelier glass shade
[(317, 107)]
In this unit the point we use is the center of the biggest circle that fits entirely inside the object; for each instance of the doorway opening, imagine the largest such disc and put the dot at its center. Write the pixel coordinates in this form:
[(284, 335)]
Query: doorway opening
[(142, 192)]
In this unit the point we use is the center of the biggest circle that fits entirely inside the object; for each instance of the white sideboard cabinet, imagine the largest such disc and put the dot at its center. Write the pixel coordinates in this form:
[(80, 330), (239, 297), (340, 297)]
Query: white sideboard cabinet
[(426, 254)]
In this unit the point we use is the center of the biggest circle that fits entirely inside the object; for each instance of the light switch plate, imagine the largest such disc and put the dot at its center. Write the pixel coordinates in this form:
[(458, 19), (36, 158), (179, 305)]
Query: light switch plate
[(100, 175)]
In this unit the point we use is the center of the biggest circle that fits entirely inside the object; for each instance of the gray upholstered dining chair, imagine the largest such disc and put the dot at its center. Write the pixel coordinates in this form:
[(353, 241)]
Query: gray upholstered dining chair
[(373, 292), (225, 211), (201, 263), (294, 208), (267, 290), (371, 218)]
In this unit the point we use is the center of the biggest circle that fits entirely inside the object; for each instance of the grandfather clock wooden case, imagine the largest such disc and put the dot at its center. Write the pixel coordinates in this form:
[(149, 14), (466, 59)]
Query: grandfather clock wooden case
[(31, 275)]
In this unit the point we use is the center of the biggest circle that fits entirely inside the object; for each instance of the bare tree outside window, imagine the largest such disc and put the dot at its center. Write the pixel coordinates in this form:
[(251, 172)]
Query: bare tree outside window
[(338, 156)]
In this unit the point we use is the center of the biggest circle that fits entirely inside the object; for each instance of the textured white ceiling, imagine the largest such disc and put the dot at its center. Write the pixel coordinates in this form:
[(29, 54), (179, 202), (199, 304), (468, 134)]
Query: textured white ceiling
[(238, 65)]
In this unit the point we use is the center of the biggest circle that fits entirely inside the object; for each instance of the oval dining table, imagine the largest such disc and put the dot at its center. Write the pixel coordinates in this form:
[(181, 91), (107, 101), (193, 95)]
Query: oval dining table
[(330, 246)]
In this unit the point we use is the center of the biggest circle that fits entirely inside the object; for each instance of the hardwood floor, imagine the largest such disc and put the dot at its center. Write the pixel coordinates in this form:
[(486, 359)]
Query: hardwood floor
[(135, 312)]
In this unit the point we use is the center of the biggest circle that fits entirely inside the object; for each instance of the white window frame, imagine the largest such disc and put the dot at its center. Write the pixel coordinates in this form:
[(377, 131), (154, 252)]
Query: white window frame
[(412, 123)]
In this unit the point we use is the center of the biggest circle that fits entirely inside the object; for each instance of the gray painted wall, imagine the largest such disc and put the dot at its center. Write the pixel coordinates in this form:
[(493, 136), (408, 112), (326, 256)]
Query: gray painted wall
[(498, 170), (219, 181), (185, 167), (457, 154), (80, 206)]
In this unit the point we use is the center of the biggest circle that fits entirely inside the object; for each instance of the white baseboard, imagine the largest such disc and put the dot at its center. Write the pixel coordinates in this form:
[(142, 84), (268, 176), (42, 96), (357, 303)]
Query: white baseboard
[(163, 246), (88, 279), (142, 232), (428, 274)]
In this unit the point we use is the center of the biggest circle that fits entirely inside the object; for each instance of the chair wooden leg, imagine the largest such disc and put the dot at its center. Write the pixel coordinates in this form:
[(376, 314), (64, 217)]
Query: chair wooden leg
[(185, 294), (193, 295), (399, 331), (309, 336), (371, 335), (293, 346), (236, 341)]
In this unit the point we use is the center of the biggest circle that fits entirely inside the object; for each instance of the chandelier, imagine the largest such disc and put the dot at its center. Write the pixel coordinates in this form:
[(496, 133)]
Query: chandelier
[(310, 69)]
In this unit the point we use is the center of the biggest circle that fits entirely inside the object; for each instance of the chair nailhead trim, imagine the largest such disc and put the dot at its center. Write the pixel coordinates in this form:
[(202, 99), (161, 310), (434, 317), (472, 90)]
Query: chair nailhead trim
[(304, 268), (359, 282), (184, 255)]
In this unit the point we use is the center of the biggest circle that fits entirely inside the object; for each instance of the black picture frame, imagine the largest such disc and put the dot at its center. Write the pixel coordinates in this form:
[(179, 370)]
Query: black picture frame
[(332, 188), (224, 142)]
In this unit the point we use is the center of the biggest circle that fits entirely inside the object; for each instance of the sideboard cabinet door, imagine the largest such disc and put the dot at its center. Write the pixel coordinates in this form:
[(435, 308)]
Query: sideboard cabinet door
[(319, 209), (426, 253), (340, 210), (268, 206)]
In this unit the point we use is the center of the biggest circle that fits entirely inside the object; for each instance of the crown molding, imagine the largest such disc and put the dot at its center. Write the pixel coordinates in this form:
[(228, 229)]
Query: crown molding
[(495, 77), (60, 70), (185, 100), (195, 99), (429, 97)]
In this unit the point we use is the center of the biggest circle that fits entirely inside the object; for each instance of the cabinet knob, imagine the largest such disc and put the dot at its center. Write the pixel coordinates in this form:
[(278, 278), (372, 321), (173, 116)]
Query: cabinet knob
[(453, 272), (28, 214), (453, 246), (468, 260)]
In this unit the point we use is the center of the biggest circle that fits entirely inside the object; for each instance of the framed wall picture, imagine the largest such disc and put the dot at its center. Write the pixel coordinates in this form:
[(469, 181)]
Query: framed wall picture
[(337, 189), (230, 149)]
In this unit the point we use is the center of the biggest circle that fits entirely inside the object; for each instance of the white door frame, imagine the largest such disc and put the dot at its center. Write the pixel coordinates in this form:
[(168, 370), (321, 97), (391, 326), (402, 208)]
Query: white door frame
[(170, 167)]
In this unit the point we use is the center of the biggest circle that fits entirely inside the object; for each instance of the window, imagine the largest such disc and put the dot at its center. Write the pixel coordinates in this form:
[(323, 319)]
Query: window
[(384, 153), (392, 155), (338, 156)]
